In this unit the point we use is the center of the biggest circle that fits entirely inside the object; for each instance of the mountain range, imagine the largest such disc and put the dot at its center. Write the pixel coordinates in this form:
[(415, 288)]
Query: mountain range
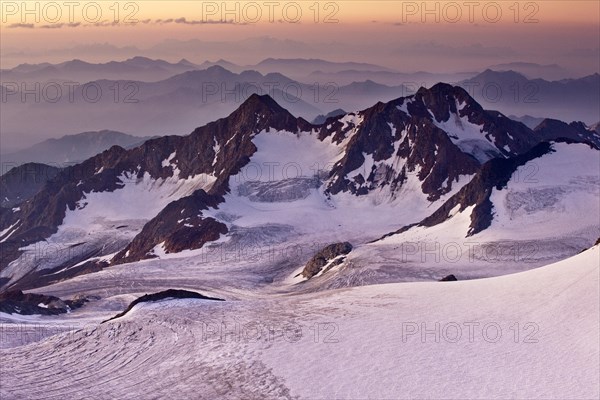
[(175, 105), (147, 69), (513, 93), (262, 176), (156, 97), (138, 68), (550, 72)]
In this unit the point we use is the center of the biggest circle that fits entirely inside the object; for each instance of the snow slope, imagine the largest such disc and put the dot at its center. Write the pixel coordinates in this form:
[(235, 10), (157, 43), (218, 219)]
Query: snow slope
[(548, 210), (528, 335), (469, 137), (557, 192), (284, 157)]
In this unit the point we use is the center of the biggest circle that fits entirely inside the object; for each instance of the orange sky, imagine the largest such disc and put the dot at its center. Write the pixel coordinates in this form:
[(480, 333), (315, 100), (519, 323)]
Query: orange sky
[(349, 11), (543, 31)]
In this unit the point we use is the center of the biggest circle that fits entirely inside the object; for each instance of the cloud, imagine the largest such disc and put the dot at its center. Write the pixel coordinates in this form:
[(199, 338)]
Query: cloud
[(185, 21), (58, 26), (107, 23), (28, 26)]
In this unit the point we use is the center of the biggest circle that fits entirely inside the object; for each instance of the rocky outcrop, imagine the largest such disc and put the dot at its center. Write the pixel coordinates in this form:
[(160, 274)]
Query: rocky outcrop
[(587, 248), (17, 302), (324, 258), (448, 278), (179, 226), (166, 294)]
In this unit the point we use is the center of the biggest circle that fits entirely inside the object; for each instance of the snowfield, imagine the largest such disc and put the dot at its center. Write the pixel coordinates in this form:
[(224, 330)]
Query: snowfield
[(518, 323), (528, 335), (540, 192)]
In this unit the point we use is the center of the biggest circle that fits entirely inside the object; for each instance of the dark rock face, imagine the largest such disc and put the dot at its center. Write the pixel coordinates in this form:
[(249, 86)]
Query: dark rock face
[(39, 278), (416, 148), (166, 294), (324, 256), (443, 100), (418, 145), (23, 182), (17, 302), (448, 278)]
